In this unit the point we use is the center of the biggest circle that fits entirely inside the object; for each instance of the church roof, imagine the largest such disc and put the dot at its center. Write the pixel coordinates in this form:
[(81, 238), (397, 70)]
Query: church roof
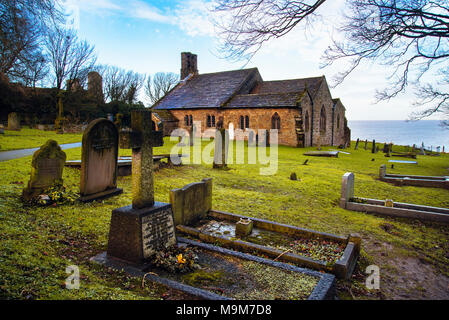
[(209, 90), (236, 89)]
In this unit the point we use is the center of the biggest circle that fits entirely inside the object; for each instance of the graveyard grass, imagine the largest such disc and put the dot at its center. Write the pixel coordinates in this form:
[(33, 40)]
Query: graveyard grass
[(32, 138), (37, 244)]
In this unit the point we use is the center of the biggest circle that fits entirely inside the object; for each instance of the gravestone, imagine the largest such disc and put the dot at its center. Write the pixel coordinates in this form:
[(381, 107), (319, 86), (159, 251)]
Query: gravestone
[(356, 144), (46, 169), (99, 161), (192, 134), (373, 150), (366, 143), (347, 189), (251, 139), (221, 146), (13, 121), (139, 230), (192, 202), (267, 138), (382, 171)]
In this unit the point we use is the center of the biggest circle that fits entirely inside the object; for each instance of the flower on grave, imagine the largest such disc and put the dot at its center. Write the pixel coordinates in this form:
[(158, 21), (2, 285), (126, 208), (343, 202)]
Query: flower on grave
[(181, 260)]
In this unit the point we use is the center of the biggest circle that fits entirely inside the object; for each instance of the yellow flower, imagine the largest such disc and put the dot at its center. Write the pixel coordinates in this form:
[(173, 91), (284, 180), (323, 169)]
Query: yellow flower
[(180, 259)]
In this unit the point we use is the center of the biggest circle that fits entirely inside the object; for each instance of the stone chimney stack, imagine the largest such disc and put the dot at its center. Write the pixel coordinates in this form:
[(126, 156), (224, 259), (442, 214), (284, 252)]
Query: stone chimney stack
[(188, 64)]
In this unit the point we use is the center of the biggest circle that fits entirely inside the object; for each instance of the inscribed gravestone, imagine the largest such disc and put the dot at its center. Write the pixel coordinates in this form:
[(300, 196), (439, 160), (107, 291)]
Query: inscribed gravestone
[(99, 161), (139, 230), (46, 169), (13, 121)]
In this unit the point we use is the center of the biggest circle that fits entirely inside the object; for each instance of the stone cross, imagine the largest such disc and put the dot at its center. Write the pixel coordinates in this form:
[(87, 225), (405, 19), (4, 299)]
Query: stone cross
[(142, 140), (139, 230)]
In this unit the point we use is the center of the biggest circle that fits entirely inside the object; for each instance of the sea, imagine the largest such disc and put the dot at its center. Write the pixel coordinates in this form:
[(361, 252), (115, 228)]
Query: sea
[(401, 132)]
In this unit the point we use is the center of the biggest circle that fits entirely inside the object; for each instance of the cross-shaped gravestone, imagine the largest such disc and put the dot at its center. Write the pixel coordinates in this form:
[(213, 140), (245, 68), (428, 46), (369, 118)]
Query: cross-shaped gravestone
[(141, 229)]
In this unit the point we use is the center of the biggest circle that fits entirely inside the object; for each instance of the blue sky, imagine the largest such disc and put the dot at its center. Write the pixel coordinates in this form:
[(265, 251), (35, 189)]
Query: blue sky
[(148, 36)]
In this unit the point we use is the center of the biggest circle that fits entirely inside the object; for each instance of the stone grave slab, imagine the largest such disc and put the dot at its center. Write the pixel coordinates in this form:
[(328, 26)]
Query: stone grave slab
[(233, 276), (214, 226), (46, 169), (322, 153), (279, 242), (413, 180), (403, 161), (401, 210), (99, 161)]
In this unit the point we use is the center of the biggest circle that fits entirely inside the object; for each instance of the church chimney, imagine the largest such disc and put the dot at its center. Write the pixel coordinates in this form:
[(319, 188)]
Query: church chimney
[(188, 64)]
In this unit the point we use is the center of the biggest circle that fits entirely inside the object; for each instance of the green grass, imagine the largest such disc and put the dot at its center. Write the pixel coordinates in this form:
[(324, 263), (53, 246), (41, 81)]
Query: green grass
[(37, 244), (32, 138)]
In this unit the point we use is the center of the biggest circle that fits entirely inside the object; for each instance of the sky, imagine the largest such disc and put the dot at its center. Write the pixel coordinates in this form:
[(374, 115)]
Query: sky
[(148, 36)]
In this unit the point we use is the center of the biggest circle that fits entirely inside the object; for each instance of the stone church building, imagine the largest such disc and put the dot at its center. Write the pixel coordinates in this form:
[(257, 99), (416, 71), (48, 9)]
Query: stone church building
[(303, 110)]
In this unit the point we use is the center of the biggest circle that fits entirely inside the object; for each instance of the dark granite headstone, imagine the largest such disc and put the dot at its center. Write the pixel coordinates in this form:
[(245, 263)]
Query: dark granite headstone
[(356, 144), (373, 150), (99, 161), (46, 169)]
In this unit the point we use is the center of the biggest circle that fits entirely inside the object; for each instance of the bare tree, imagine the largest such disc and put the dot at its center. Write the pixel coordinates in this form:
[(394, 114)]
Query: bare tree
[(22, 26), (411, 37), (160, 85), (245, 25), (120, 84), (69, 57)]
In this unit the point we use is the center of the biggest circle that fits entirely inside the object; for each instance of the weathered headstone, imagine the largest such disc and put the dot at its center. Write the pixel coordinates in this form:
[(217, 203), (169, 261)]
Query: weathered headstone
[(192, 134), (373, 150), (356, 144), (46, 169), (347, 189), (221, 146), (99, 161), (385, 149), (293, 176), (139, 230), (251, 139), (382, 171), (192, 202), (13, 121)]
